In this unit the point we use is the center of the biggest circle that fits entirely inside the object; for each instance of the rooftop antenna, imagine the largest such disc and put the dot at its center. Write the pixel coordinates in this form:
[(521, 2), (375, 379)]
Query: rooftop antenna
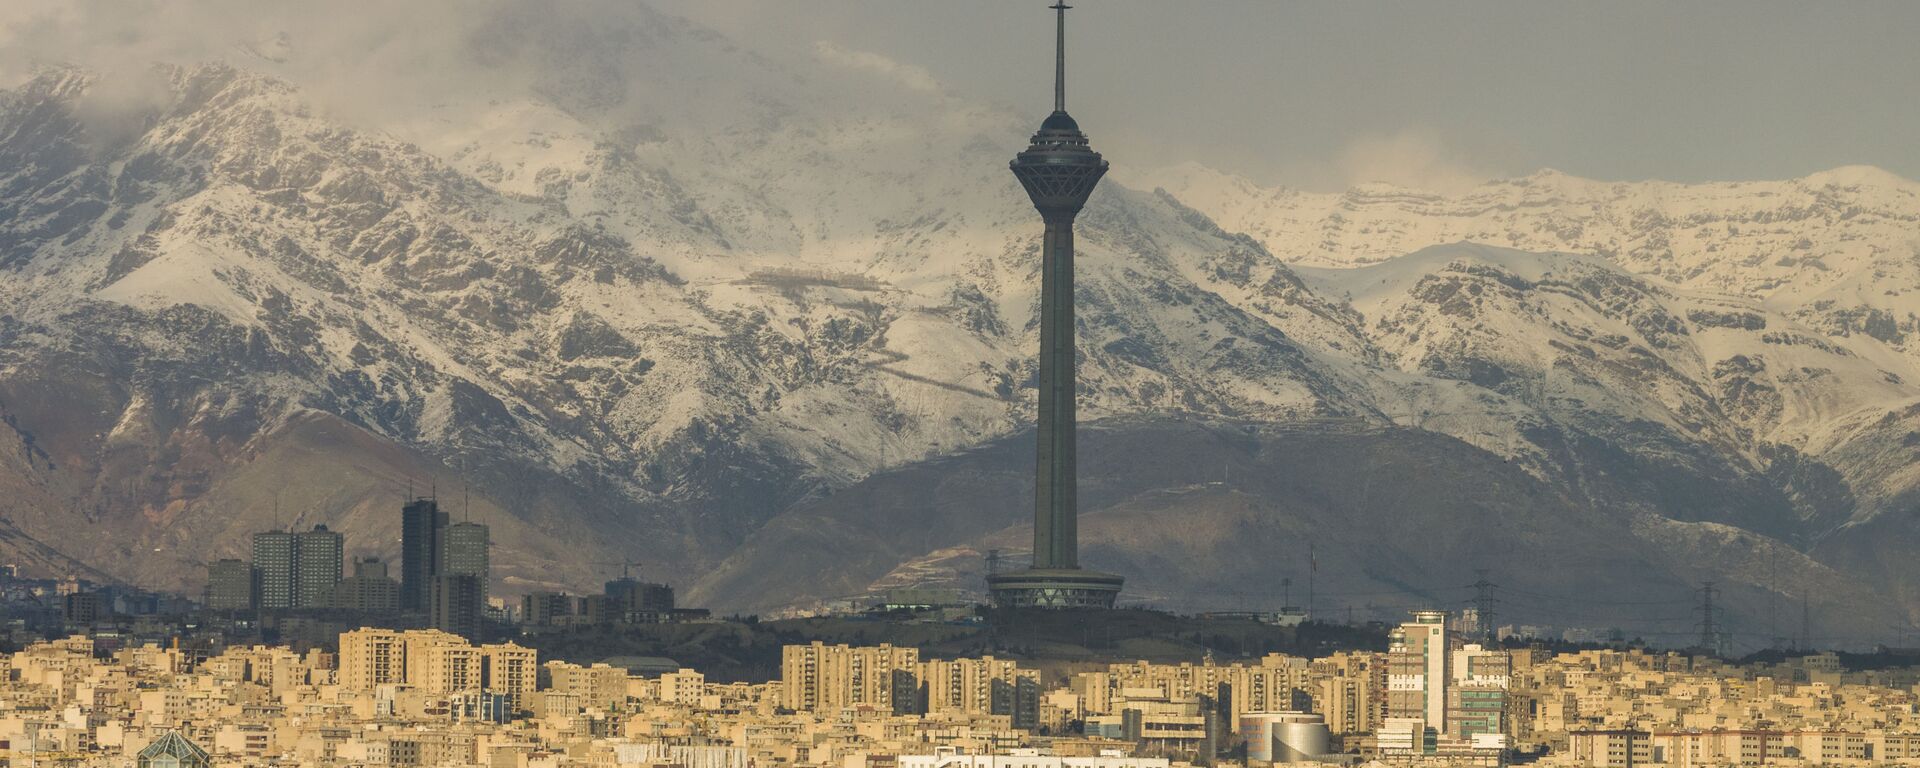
[(1060, 57), (466, 503)]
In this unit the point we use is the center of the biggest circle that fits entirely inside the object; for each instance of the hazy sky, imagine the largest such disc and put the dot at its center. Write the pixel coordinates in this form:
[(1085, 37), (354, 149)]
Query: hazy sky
[(1318, 95), (1322, 94)]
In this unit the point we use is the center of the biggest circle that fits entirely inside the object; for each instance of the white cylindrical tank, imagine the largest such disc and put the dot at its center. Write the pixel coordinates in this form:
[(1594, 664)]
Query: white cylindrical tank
[(1258, 729), (1302, 739), (1284, 737)]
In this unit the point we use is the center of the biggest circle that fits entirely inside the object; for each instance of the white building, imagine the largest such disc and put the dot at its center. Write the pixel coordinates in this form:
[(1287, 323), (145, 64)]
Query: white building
[(953, 757)]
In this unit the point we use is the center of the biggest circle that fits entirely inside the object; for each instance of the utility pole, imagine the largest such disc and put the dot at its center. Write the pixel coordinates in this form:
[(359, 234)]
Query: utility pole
[(1483, 605), (1806, 622), (1773, 600), (1313, 566), (1709, 630)]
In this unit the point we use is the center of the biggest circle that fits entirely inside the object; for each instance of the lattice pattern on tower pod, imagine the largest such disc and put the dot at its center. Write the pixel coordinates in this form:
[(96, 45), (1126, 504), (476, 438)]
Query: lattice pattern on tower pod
[(1062, 183)]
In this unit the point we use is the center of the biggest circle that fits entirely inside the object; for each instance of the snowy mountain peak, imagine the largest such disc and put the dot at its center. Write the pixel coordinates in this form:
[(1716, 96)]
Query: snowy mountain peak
[(661, 316)]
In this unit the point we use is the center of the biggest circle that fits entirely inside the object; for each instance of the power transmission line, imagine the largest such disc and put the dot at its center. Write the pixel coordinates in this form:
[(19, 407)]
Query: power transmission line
[(1709, 628), (1483, 605)]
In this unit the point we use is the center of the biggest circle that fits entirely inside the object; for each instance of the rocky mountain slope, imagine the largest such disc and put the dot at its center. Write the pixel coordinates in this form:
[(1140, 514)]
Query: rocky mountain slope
[(734, 315)]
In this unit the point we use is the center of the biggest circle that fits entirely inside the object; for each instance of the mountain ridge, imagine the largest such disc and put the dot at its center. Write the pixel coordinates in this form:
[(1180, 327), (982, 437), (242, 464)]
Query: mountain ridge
[(642, 332)]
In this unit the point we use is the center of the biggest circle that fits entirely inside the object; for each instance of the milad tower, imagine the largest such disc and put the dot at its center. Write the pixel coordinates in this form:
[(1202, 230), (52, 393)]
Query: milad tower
[(1059, 170)]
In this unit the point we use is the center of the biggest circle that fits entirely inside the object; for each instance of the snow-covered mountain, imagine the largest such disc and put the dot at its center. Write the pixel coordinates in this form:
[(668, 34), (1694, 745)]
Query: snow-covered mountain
[(635, 292), (1763, 316)]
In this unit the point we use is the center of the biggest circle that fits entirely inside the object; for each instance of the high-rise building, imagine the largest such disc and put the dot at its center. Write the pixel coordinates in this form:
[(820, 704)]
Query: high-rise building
[(368, 590), (545, 609), (421, 522), (1477, 694), (459, 594), (229, 585), (464, 549), (1059, 170), (632, 600), (296, 570), (439, 662), (318, 556), (509, 670), (1417, 656), (1352, 684), (1276, 683), (274, 556), (983, 686), (823, 678), (459, 605), (436, 663), (80, 608), (371, 657)]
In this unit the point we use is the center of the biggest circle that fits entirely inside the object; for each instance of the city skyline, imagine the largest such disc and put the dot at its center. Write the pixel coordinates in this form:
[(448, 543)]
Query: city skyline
[(766, 318), (1485, 384), (385, 697)]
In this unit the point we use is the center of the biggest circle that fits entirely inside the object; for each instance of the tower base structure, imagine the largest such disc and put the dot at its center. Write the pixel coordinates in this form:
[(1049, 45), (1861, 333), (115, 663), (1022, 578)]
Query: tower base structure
[(1054, 588)]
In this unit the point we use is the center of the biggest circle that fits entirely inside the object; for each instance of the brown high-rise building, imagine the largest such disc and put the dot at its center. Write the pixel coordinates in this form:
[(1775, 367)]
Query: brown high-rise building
[(368, 590), (274, 569), (459, 594), (229, 585), (318, 558), (296, 570)]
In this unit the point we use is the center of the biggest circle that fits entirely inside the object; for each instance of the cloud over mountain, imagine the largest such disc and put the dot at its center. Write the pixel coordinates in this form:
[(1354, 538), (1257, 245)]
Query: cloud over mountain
[(655, 295)]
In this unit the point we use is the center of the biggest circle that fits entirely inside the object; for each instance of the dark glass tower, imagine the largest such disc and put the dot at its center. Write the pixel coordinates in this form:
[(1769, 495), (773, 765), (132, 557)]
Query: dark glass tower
[(1059, 171), (421, 524)]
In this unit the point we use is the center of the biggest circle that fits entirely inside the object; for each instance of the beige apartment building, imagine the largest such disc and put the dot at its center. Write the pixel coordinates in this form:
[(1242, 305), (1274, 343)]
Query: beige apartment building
[(983, 686), (1276, 683), (372, 657), (510, 670), (1349, 691), (686, 686), (821, 677), (440, 663), (600, 686), (436, 663)]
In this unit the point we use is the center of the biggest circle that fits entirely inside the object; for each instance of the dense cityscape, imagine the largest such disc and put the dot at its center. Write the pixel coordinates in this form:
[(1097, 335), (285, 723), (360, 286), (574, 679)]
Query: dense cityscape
[(308, 653), (424, 697)]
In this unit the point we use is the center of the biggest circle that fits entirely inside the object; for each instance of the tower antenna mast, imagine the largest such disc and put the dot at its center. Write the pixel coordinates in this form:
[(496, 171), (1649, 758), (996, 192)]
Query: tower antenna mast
[(1060, 57)]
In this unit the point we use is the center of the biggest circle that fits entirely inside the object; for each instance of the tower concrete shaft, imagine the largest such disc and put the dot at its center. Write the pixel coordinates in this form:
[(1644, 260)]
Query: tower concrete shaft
[(1056, 541)]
